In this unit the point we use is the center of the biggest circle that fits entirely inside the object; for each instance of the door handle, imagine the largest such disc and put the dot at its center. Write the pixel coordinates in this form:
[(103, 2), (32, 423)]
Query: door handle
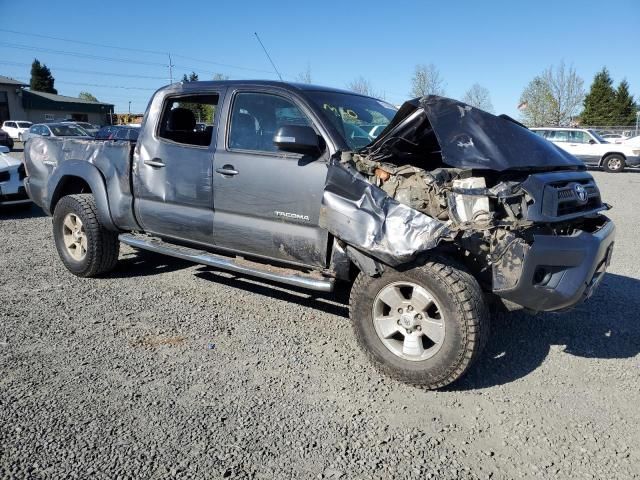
[(155, 162), (227, 170)]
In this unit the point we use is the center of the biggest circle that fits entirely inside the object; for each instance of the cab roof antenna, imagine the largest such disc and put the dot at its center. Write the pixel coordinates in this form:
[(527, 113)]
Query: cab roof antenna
[(268, 56)]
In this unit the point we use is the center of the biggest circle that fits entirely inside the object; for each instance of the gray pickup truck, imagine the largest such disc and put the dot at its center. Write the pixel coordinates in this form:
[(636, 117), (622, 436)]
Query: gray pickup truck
[(446, 211)]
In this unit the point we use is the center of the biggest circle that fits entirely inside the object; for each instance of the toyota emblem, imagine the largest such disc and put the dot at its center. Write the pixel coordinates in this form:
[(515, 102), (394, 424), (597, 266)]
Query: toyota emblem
[(581, 192)]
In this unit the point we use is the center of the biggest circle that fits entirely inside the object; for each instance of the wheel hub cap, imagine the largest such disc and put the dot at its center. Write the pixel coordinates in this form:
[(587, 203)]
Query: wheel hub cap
[(74, 236), (408, 321)]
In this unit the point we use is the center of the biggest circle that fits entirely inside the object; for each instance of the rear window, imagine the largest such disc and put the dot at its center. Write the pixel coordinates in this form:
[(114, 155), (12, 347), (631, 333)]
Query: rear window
[(24, 124)]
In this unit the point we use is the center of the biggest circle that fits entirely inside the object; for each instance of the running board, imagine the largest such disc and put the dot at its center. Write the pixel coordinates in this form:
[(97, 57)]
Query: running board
[(238, 265)]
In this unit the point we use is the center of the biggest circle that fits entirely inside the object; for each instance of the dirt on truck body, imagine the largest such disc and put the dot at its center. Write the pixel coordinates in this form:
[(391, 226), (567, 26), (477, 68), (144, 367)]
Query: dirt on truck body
[(447, 206)]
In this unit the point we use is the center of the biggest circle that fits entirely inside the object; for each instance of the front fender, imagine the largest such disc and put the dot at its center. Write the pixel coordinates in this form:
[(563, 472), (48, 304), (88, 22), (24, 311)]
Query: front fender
[(92, 176)]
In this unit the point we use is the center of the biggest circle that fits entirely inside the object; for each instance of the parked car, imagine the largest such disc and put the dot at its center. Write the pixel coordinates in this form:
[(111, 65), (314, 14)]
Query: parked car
[(86, 126), (613, 137), (632, 142), (6, 140), (118, 132), (16, 129), (59, 129), (12, 174), (591, 148), (422, 225)]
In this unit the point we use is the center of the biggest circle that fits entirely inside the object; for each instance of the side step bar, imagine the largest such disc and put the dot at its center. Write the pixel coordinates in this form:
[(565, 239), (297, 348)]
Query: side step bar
[(267, 272)]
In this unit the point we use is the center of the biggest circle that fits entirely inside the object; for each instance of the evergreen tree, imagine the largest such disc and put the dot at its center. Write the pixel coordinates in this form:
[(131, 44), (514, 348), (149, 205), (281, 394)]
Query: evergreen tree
[(625, 108), (41, 78), (600, 103)]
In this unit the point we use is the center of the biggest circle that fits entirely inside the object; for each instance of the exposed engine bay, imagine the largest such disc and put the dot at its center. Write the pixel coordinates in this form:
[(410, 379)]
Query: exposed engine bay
[(451, 169)]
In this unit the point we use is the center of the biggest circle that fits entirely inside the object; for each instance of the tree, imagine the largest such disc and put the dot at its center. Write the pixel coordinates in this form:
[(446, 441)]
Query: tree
[(304, 77), (479, 97), (552, 98), (87, 96), (202, 111), (625, 107), (41, 78), (536, 103), (600, 102), (361, 85), (426, 81), (220, 76), (567, 91)]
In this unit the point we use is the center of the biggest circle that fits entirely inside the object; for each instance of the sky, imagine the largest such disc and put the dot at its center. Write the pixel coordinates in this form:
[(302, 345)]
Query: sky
[(118, 51)]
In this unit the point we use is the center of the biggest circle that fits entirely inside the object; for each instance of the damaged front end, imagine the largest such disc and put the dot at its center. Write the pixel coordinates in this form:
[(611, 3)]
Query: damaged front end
[(521, 213)]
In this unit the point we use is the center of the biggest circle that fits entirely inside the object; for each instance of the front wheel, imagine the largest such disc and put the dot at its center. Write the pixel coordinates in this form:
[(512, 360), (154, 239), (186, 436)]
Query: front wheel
[(85, 247), (425, 326), (614, 163)]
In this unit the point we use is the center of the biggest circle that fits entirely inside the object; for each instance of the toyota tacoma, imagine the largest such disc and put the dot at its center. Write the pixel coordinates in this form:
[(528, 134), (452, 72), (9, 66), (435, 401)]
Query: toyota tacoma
[(448, 209)]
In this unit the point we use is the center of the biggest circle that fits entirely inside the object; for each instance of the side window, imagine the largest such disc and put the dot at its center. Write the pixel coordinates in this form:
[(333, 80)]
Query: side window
[(255, 117), (557, 135), (11, 124), (180, 117), (578, 137)]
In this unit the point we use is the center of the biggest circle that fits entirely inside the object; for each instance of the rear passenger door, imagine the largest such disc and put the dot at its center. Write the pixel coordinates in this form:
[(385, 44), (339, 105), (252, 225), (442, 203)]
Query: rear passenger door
[(267, 202), (173, 167)]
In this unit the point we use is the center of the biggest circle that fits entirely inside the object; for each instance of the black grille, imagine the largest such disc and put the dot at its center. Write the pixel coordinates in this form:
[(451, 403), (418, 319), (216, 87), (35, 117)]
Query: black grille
[(22, 173), (568, 201), (5, 176)]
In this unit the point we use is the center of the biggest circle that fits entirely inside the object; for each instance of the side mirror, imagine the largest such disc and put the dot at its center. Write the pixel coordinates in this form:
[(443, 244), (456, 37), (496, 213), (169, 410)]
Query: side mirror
[(297, 138), (592, 141)]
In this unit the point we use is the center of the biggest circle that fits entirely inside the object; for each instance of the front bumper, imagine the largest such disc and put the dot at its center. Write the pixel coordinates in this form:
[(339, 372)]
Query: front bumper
[(555, 272), (13, 192)]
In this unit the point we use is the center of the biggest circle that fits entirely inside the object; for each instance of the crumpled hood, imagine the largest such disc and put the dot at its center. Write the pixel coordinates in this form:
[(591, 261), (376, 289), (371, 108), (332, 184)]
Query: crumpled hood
[(468, 137), (7, 161)]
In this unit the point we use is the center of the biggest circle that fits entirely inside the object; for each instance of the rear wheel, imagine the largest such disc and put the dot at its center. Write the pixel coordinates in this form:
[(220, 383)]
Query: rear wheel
[(85, 247), (613, 163), (425, 326)]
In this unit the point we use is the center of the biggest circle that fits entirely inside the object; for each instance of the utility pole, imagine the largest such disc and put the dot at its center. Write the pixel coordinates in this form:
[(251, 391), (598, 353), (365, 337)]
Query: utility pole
[(637, 120), (129, 107), (170, 68)]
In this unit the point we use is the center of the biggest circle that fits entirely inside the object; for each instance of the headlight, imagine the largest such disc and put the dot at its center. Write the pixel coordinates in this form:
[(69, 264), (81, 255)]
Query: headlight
[(635, 152)]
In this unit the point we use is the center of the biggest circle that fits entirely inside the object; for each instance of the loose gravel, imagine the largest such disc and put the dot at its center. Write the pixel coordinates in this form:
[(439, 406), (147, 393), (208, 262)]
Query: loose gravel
[(166, 369)]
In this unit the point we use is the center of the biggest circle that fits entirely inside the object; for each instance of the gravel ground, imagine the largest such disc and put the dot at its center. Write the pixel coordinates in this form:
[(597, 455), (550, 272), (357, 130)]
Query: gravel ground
[(168, 369)]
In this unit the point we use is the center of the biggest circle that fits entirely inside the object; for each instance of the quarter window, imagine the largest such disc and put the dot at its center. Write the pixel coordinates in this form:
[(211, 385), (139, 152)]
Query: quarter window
[(256, 117)]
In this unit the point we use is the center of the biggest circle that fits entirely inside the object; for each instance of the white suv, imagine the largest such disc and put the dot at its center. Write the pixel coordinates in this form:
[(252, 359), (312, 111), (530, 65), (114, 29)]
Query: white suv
[(15, 129), (591, 148)]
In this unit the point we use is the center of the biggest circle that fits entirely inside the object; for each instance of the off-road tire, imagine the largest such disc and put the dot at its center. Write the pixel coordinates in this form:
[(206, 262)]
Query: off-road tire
[(102, 247), (617, 160), (466, 322)]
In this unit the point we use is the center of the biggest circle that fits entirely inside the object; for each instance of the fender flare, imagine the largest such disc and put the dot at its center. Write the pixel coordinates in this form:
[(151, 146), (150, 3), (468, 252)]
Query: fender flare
[(92, 176)]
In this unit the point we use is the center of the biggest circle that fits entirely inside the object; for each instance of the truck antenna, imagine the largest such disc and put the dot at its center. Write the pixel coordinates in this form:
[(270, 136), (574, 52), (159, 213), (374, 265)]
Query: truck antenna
[(170, 69), (268, 56)]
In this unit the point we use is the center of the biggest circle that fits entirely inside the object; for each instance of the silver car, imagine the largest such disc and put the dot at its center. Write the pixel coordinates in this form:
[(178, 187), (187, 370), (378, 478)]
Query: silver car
[(59, 129), (12, 173)]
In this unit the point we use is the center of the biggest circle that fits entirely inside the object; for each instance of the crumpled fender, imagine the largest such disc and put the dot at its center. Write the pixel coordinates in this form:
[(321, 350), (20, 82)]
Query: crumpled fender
[(367, 218), (90, 174)]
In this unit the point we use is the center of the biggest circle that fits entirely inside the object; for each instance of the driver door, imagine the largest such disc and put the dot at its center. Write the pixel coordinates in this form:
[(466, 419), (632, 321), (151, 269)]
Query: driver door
[(267, 202)]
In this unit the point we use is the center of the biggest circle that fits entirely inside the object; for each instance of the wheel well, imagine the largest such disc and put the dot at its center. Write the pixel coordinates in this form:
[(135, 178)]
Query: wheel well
[(69, 185), (608, 154)]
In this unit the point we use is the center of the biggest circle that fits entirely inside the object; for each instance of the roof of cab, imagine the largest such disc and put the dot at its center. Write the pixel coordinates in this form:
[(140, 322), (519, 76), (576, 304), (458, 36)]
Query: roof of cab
[(259, 83)]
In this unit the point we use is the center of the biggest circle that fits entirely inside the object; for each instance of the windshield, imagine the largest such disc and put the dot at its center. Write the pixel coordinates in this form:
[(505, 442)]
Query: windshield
[(597, 137), (354, 116), (23, 124), (68, 131)]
